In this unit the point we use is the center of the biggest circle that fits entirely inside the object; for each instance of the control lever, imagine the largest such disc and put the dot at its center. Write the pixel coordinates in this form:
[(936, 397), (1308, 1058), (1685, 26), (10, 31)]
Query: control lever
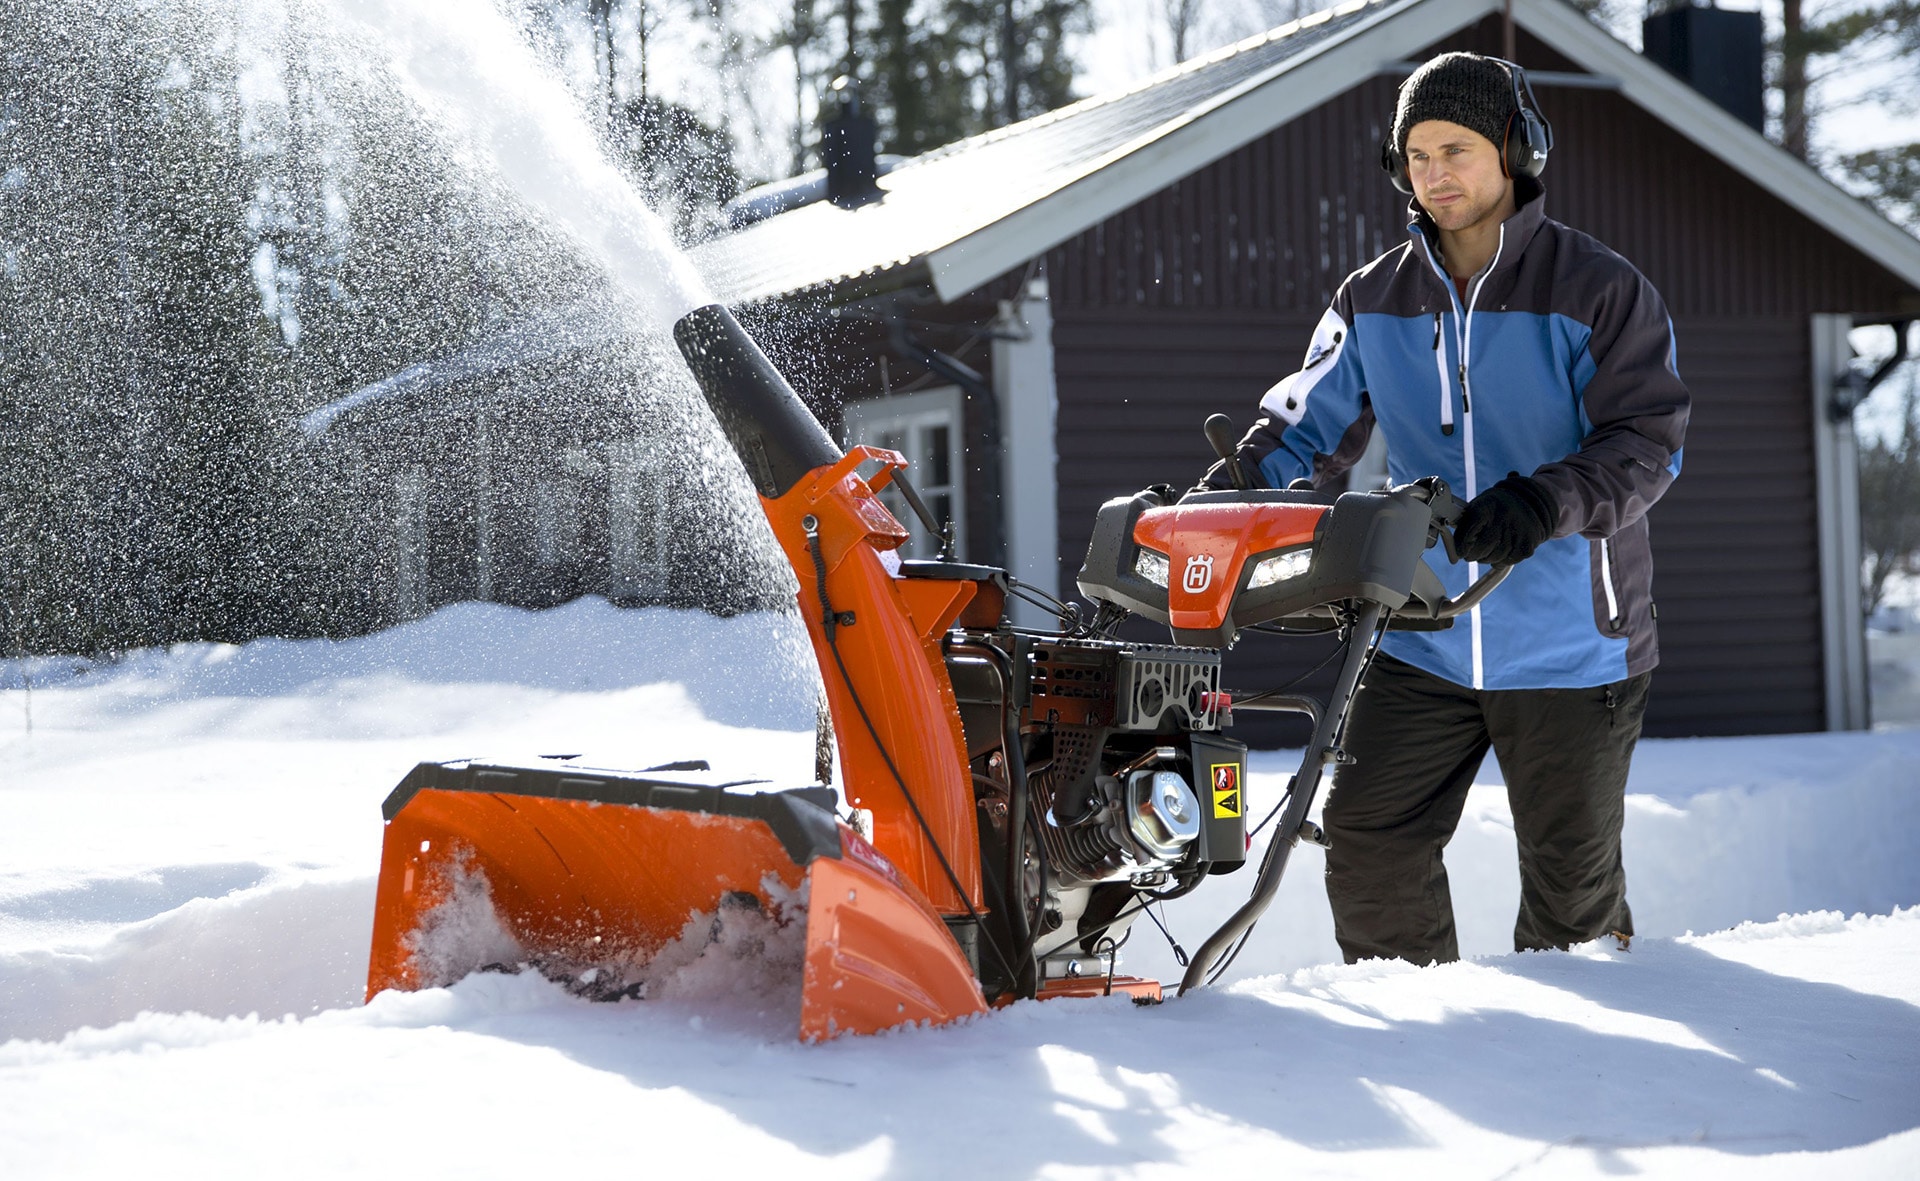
[(1447, 509), (1219, 430)]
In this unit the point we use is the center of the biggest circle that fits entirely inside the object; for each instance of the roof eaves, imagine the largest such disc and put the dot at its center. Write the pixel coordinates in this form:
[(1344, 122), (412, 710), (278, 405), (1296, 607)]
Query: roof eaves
[(1171, 150), (1739, 146), (840, 289)]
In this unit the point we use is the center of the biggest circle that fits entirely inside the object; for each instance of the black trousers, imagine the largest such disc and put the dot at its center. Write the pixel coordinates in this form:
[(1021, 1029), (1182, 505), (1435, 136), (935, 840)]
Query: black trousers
[(1416, 741)]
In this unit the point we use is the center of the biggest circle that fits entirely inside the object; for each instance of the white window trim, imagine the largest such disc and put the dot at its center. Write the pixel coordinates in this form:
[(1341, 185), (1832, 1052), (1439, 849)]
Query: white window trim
[(1836, 474), (868, 419), (410, 542), (1023, 379), (636, 520)]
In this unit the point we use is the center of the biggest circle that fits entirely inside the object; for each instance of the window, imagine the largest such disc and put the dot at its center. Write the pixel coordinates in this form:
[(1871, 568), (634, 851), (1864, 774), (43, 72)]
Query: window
[(926, 428), (557, 510), (410, 543), (636, 521)]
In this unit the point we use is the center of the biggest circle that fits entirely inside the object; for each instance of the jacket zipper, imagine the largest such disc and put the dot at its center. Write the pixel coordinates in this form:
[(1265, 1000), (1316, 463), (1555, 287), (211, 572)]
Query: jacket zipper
[(1465, 408), (1606, 583)]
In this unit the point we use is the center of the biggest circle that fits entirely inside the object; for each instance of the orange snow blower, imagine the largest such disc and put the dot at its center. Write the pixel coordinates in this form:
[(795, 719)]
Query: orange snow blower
[(1013, 798)]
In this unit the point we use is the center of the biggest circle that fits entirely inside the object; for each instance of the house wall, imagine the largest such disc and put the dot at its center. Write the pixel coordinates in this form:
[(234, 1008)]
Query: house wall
[(1200, 297)]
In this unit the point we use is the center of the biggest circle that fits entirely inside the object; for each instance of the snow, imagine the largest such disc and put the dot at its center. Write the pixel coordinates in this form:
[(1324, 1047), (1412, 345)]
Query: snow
[(188, 840)]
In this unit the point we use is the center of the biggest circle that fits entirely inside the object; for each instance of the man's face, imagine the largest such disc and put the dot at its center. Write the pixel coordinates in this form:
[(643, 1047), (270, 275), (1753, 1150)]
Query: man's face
[(1456, 175)]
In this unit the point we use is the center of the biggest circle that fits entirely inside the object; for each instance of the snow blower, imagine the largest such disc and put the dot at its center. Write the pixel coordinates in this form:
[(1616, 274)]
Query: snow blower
[(1014, 798)]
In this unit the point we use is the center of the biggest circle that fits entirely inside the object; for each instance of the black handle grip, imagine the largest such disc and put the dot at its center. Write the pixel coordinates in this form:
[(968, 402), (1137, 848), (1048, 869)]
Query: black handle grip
[(1220, 433)]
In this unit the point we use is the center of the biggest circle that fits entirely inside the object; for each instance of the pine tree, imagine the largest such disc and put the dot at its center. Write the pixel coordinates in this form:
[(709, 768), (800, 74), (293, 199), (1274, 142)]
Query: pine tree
[(1819, 43), (685, 166), (923, 90), (941, 70)]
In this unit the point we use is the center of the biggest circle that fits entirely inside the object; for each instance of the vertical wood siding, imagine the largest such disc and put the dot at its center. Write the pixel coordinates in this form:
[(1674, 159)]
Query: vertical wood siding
[(1201, 296)]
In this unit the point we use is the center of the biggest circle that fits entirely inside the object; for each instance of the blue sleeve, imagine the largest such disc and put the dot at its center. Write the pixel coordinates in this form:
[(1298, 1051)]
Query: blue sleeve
[(1315, 423)]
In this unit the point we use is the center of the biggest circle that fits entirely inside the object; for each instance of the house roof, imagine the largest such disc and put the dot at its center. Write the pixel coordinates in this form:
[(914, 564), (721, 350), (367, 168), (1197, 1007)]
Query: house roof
[(961, 216)]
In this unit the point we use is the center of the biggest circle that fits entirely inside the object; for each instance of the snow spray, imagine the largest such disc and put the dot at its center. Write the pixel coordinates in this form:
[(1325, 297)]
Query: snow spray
[(468, 67)]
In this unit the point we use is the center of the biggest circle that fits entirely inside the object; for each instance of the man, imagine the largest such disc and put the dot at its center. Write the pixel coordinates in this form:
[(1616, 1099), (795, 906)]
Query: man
[(1533, 369)]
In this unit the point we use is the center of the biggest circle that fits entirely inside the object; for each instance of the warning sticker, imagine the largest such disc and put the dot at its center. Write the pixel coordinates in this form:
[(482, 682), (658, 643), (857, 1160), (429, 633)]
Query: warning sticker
[(1226, 791)]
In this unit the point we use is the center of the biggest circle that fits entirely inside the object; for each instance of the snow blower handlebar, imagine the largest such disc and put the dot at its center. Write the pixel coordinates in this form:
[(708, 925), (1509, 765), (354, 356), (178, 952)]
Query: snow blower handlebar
[(1446, 509)]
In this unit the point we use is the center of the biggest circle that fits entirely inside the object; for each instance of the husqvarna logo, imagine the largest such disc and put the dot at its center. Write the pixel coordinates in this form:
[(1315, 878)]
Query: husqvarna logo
[(1199, 573)]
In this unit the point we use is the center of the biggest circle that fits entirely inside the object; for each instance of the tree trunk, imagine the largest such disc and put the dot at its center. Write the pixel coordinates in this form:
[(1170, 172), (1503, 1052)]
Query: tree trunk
[(1010, 58), (1793, 80)]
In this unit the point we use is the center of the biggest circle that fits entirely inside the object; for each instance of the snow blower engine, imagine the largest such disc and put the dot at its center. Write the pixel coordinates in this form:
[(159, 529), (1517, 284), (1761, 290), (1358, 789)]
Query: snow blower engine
[(1011, 799)]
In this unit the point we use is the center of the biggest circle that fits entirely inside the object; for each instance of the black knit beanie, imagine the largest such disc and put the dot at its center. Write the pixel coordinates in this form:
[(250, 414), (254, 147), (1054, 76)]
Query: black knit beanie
[(1465, 88)]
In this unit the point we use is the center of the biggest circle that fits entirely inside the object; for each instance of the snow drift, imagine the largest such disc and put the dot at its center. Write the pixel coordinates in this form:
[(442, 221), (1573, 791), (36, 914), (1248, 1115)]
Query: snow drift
[(188, 840)]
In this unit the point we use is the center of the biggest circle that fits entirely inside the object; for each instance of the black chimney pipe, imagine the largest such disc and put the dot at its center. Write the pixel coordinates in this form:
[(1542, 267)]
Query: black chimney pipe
[(1713, 50), (847, 144)]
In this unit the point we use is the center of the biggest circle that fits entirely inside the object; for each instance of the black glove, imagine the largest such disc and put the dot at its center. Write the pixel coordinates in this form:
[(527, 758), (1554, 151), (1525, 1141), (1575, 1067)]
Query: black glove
[(1507, 522), (1217, 479)]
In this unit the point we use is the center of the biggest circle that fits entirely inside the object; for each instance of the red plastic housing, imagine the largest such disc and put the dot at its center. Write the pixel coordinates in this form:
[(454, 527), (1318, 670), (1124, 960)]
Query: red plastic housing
[(1208, 546)]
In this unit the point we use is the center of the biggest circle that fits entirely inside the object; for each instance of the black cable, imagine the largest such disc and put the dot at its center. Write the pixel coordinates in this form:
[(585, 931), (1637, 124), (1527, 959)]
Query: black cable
[(1020, 815), (1060, 609), (1277, 808), (1276, 629), (1179, 952), (1295, 682), (1233, 953), (1009, 895), (1139, 904), (1143, 899), (833, 646), (1226, 961)]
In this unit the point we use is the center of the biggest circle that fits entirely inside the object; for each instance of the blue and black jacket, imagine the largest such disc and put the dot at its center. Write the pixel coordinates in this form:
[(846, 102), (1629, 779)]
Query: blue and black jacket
[(1559, 364)]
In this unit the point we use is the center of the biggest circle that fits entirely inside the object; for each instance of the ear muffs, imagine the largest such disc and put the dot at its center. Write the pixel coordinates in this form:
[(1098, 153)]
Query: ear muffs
[(1529, 137), (1395, 164)]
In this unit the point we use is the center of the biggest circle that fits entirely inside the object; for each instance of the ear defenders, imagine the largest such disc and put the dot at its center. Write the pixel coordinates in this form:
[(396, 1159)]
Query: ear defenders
[(1529, 137)]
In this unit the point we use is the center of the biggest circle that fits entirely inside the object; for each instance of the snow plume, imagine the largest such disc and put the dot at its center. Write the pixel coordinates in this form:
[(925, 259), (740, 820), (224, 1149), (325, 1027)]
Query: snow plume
[(218, 217), (462, 933), (473, 72)]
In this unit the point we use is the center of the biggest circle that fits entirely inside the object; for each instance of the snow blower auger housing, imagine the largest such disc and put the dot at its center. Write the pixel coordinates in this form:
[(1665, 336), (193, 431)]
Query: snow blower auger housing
[(1023, 794)]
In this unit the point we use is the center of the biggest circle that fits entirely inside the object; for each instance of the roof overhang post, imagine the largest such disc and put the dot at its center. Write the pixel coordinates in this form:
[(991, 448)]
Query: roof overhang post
[(1836, 473), (1029, 459)]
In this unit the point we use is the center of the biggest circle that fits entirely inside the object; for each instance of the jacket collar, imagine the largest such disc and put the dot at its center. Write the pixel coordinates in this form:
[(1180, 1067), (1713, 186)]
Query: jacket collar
[(1517, 231)]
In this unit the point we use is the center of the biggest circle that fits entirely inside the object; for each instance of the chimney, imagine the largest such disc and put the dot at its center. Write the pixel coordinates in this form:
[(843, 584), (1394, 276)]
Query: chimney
[(1713, 50), (847, 147)]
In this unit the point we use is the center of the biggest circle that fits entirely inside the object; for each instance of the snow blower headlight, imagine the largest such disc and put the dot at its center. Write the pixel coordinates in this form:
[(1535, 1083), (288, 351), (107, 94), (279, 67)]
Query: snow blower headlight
[(1279, 568), (1152, 567)]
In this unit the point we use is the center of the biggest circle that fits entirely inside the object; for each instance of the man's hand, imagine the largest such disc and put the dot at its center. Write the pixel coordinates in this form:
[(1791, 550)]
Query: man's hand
[(1507, 522), (1217, 478)]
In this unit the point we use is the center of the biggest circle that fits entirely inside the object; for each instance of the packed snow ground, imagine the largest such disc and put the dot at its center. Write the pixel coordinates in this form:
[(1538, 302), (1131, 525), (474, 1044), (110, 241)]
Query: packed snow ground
[(188, 841)]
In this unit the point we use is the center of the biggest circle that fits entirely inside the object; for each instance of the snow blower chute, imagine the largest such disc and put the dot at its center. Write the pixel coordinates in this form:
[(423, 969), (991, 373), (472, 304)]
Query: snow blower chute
[(1024, 794)]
